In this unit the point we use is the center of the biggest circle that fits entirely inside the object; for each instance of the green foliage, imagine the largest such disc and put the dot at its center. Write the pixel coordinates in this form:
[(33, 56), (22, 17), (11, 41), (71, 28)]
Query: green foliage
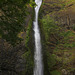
[(28, 34), (32, 4), (28, 56), (72, 69), (69, 1), (12, 19), (64, 50), (68, 34), (50, 60), (55, 72), (28, 64), (49, 26)]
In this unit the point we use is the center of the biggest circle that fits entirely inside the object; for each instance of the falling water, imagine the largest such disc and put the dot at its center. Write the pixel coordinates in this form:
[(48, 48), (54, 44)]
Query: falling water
[(38, 69)]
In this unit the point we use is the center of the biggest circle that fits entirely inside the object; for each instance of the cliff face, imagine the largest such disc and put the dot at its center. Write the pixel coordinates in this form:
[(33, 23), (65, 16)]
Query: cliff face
[(62, 11), (18, 60), (58, 29)]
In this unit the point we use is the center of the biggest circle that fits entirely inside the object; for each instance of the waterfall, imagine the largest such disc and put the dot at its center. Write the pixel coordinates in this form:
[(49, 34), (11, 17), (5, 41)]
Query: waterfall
[(38, 69)]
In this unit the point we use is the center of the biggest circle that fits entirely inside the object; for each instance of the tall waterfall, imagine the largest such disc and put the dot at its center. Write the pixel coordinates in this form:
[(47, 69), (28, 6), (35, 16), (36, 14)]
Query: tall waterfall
[(38, 69)]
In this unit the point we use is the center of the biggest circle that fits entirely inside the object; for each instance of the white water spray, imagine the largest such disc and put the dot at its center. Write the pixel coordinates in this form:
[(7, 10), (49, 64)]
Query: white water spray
[(38, 69)]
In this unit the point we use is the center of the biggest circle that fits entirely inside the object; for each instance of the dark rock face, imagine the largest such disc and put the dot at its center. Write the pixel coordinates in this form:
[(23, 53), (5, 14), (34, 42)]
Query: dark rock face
[(11, 60)]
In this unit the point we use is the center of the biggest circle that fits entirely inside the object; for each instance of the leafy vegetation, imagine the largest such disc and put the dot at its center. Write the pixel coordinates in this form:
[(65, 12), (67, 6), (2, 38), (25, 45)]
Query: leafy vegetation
[(55, 73), (57, 23), (28, 64), (57, 28), (15, 30), (27, 39), (12, 19), (49, 26)]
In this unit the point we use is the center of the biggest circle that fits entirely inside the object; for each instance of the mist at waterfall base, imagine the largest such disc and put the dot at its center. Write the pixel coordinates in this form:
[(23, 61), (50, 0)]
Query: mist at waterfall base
[(38, 69)]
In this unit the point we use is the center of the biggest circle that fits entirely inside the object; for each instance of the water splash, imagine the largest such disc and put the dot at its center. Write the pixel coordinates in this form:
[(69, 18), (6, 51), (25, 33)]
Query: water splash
[(38, 69)]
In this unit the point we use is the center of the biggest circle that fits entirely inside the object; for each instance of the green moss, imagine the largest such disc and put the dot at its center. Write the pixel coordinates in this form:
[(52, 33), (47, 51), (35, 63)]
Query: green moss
[(49, 26), (51, 61), (28, 56), (55, 72), (28, 34), (67, 34), (69, 45), (29, 63), (72, 69), (59, 41)]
